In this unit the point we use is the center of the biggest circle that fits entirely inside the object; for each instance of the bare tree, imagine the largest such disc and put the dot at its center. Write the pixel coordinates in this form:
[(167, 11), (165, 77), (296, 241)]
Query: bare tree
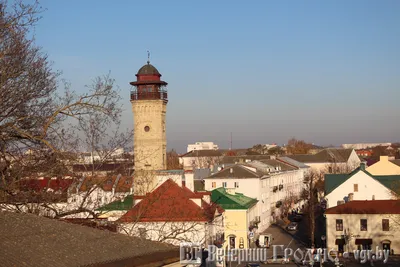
[(42, 131), (295, 146), (173, 160), (313, 187), (287, 204)]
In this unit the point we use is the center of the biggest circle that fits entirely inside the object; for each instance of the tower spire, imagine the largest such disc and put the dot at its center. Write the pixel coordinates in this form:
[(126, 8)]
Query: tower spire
[(148, 57)]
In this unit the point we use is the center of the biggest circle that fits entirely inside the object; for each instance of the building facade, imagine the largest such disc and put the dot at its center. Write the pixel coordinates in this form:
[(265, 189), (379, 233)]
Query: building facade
[(359, 185), (202, 146), (364, 225)]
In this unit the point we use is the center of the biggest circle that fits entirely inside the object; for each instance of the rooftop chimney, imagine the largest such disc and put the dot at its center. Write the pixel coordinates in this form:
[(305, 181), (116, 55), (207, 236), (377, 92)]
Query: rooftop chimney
[(362, 166), (383, 158)]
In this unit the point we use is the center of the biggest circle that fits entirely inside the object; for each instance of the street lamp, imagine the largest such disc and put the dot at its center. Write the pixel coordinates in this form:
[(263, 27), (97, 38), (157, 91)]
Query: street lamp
[(323, 238)]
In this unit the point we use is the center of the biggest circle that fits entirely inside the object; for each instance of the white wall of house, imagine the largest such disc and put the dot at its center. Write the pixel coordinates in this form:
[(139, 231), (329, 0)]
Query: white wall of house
[(167, 232), (247, 186), (189, 163), (351, 223), (368, 189), (92, 199), (202, 146)]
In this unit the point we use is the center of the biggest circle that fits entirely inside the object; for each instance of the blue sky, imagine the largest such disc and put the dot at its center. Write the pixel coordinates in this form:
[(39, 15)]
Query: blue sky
[(324, 71)]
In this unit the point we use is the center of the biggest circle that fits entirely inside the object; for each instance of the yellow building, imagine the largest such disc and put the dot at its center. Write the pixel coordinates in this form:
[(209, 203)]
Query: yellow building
[(384, 167), (240, 213)]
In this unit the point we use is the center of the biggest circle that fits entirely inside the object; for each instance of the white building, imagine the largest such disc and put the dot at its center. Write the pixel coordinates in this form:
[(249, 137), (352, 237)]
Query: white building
[(202, 146), (364, 145), (358, 185), (200, 159), (269, 181)]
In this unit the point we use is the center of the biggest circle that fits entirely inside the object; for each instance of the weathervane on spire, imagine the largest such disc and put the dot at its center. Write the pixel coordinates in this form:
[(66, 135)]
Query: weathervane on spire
[(148, 57)]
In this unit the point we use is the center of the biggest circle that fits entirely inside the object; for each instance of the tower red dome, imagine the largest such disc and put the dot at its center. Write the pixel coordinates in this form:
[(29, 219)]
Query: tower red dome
[(148, 84)]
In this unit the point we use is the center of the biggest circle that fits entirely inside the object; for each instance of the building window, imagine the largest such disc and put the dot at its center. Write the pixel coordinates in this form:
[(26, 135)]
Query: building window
[(355, 187), (224, 184), (339, 225), (236, 184), (213, 184), (385, 224), (232, 241), (363, 225)]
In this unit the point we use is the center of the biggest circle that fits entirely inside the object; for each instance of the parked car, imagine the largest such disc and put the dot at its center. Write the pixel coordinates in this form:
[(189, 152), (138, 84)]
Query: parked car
[(297, 218), (292, 226), (280, 259)]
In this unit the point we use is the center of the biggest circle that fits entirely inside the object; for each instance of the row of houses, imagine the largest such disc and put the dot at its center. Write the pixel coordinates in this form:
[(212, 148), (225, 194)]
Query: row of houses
[(364, 207), (229, 203)]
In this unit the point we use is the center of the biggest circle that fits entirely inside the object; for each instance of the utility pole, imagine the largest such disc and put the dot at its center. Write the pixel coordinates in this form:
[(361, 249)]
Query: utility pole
[(312, 209)]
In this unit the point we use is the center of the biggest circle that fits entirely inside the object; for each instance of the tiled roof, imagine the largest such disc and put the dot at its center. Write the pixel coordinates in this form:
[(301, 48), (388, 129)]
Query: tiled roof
[(45, 183), (168, 202), (203, 153), (332, 181), (122, 183), (29, 240), (124, 204), (326, 155), (231, 201), (367, 207), (235, 171)]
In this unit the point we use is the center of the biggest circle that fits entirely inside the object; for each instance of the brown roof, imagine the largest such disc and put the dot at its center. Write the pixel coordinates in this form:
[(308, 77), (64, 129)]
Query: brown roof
[(326, 155), (124, 184), (367, 207), (107, 182), (168, 202), (30, 240), (203, 153), (235, 171)]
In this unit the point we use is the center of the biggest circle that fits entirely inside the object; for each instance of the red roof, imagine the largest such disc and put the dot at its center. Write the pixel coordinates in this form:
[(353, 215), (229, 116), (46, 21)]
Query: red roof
[(367, 207), (167, 203), (107, 182), (45, 183)]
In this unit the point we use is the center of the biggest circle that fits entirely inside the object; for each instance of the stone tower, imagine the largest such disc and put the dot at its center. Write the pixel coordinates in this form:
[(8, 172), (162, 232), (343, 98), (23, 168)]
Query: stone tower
[(149, 106)]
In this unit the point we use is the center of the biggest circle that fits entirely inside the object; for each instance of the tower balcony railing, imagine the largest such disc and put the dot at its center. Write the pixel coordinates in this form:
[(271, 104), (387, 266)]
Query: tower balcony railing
[(162, 95)]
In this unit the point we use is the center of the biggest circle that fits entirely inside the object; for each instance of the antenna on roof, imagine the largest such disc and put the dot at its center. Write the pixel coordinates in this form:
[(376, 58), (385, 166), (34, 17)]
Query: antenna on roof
[(230, 148), (148, 57)]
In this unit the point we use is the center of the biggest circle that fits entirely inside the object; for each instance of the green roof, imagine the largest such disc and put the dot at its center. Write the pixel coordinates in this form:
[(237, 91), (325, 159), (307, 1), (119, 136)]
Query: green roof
[(126, 204), (332, 181), (231, 201)]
